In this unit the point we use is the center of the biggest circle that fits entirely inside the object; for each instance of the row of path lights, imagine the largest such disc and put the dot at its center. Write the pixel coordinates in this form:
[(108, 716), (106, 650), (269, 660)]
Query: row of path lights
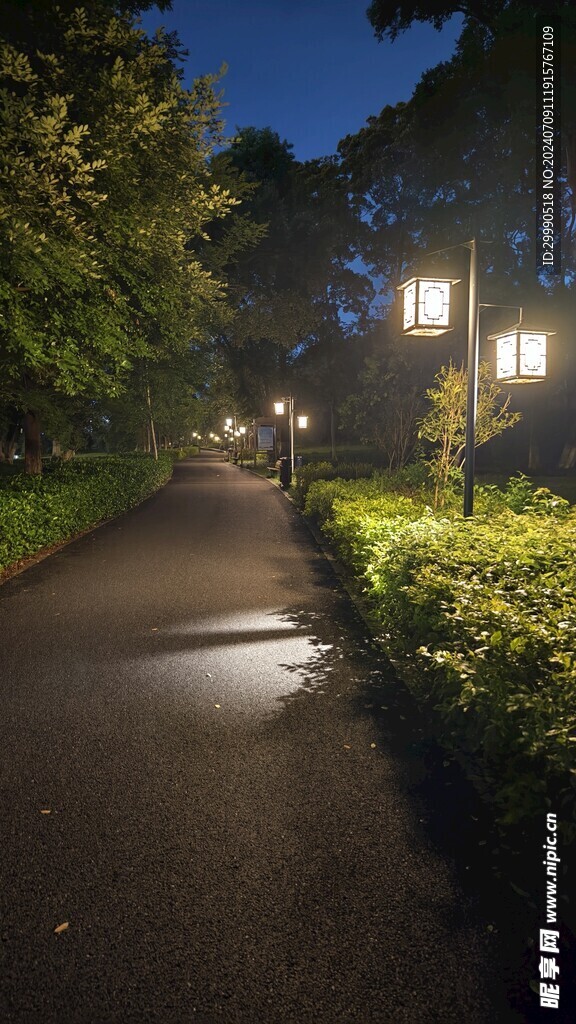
[(230, 432), (302, 421), (237, 435), (520, 351)]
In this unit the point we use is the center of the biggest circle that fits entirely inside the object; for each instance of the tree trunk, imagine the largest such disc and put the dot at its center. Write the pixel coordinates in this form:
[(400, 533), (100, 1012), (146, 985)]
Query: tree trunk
[(7, 450), (33, 450), (567, 458), (333, 430), (152, 430), (9, 442)]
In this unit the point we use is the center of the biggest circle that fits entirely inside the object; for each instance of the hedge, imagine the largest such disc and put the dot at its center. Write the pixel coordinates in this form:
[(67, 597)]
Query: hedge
[(305, 475), (39, 511), (481, 616)]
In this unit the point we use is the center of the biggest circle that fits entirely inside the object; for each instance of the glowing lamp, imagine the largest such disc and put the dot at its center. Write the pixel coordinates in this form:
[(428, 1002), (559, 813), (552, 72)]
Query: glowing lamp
[(279, 408), (427, 305), (520, 354)]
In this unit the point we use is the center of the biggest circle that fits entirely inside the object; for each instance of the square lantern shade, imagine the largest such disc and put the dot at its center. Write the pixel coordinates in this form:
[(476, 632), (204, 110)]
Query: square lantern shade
[(427, 305), (302, 422), (520, 355), (279, 408)]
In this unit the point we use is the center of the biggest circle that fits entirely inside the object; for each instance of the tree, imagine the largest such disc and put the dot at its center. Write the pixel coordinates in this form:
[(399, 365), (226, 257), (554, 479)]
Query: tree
[(158, 407), (445, 423), (294, 288), (104, 195), (496, 56), (384, 407)]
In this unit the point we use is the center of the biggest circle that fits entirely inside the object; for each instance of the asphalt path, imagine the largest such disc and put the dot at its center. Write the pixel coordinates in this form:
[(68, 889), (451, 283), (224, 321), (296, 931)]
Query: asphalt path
[(203, 780)]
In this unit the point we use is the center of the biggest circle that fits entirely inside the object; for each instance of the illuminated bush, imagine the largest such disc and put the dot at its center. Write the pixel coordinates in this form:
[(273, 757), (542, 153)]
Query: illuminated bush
[(39, 511)]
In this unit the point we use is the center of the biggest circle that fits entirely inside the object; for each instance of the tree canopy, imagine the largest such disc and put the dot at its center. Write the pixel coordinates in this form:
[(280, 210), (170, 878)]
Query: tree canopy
[(105, 195)]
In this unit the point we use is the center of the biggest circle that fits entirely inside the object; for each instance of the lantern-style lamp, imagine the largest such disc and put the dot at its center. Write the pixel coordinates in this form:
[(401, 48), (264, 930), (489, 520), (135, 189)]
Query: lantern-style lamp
[(427, 305), (302, 422), (520, 354), (229, 422), (279, 408)]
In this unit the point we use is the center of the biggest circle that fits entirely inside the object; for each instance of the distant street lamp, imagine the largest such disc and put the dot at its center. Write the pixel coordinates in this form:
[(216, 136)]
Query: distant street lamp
[(521, 353), (302, 423)]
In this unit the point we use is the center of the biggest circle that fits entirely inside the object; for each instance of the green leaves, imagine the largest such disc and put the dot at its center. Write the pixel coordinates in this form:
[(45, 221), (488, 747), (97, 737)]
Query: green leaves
[(445, 423), (105, 192), (482, 613), (37, 512)]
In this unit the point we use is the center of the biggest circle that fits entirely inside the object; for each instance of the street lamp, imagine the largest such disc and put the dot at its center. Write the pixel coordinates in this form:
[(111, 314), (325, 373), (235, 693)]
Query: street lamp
[(427, 305), (302, 423), (522, 352)]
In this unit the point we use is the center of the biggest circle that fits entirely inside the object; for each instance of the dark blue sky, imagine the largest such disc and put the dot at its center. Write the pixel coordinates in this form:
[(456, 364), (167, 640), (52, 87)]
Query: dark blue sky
[(310, 69)]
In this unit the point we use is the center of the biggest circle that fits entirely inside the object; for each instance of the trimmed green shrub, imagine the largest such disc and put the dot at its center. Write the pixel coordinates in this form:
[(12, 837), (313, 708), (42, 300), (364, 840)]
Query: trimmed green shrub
[(322, 494), (482, 615), (39, 511), (305, 475), (183, 453)]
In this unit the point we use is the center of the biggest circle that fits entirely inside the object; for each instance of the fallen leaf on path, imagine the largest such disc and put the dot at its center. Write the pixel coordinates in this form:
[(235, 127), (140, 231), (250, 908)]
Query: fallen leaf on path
[(45, 812), (216, 705), (347, 746), (373, 745), (208, 676), (154, 629), (61, 928)]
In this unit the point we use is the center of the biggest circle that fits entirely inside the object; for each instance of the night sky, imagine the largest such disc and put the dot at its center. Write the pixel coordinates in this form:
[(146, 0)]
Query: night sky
[(312, 70)]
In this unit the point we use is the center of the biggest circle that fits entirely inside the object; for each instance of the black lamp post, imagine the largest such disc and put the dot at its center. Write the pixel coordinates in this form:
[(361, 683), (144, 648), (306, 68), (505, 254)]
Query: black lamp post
[(521, 353)]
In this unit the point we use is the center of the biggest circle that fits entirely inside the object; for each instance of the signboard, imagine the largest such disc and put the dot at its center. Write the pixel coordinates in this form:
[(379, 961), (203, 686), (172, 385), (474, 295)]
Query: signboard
[(265, 442)]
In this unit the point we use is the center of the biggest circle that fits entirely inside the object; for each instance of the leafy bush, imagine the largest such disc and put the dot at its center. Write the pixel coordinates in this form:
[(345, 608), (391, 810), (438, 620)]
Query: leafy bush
[(38, 511), (305, 475), (520, 495), (483, 613), (183, 453)]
